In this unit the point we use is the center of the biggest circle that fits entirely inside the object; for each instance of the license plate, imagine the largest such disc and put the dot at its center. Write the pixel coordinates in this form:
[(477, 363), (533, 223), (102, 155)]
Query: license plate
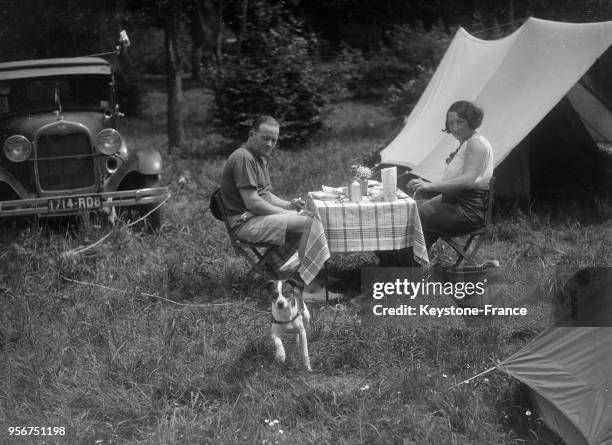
[(74, 203)]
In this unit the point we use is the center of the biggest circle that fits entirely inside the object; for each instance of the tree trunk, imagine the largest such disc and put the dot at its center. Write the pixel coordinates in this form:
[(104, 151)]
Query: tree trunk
[(196, 62), (176, 127), (206, 9), (244, 5), (219, 37), (197, 44)]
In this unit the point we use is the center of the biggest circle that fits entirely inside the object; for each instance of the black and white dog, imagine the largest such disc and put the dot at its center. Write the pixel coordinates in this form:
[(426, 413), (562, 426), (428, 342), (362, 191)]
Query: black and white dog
[(289, 315)]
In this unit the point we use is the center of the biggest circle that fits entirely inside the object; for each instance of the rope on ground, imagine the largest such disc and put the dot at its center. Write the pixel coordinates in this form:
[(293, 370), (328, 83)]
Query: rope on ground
[(78, 251), (145, 294)]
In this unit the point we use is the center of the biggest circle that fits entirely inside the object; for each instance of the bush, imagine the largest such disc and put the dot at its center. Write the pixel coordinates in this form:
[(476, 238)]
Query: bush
[(422, 51), (402, 98), (275, 76), (374, 75), (398, 73)]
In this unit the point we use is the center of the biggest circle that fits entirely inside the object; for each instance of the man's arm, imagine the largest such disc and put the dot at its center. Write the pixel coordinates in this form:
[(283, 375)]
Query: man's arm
[(279, 202), (259, 206)]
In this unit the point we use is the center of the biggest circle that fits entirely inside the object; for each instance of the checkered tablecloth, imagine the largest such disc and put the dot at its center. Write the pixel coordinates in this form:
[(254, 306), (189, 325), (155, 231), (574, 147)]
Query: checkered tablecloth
[(364, 226)]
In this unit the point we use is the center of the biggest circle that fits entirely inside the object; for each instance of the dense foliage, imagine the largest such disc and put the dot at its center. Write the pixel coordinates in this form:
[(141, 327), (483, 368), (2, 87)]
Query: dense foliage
[(274, 76), (396, 74), (262, 50), (421, 52)]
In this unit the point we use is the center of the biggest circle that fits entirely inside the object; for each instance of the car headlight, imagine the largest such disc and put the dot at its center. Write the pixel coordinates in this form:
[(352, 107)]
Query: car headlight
[(17, 148), (109, 141)]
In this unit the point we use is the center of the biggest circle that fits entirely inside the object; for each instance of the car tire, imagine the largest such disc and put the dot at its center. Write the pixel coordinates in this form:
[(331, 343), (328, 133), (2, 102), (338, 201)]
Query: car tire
[(152, 222)]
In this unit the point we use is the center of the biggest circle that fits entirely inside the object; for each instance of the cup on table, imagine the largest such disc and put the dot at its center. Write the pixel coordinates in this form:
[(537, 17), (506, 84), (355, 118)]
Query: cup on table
[(389, 182)]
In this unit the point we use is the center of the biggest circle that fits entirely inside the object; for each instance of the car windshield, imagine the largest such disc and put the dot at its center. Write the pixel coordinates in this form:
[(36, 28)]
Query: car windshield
[(48, 93)]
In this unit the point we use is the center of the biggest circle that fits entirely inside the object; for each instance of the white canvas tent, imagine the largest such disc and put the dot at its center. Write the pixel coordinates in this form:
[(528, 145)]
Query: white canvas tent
[(569, 373), (519, 81)]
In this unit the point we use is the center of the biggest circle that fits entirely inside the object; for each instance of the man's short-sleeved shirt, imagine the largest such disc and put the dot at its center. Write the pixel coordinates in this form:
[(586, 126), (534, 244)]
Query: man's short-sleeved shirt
[(243, 170)]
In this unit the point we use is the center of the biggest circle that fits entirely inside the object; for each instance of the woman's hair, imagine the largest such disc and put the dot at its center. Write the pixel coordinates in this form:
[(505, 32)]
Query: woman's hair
[(468, 111)]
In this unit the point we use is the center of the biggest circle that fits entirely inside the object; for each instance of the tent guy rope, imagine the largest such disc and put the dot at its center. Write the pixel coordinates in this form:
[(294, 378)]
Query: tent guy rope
[(145, 294), (473, 377)]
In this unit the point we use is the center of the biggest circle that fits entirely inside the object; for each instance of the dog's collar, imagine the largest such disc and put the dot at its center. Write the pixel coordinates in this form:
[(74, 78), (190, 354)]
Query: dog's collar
[(275, 321)]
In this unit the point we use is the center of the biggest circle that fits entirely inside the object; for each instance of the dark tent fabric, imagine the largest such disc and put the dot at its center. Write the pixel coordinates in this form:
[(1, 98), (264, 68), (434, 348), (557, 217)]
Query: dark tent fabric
[(569, 370)]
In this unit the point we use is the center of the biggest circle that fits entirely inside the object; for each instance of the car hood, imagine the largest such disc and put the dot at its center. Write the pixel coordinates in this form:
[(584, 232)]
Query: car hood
[(28, 125)]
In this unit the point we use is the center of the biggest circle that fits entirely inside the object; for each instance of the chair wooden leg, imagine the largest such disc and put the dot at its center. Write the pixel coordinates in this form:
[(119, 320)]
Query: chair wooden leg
[(258, 261), (326, 283), (266, 262), (465, 253), (459, 260)]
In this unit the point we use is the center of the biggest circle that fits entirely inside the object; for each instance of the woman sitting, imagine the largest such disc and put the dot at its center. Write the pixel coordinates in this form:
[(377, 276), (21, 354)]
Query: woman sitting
[(460, 202)]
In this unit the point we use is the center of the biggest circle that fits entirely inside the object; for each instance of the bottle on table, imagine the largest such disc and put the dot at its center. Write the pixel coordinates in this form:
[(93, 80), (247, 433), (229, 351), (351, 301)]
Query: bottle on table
[(355, 190)]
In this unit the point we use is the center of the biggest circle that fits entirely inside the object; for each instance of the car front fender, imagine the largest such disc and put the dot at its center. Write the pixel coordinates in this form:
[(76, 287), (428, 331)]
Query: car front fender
[(13, 183), (148, 161)]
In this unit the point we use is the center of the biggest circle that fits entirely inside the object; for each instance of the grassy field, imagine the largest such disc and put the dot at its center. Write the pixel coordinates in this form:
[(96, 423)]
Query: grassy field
[(161, 338)]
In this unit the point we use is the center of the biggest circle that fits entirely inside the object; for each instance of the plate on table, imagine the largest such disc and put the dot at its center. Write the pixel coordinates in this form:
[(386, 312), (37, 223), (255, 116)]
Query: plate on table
[(324, 196), (335, 190)]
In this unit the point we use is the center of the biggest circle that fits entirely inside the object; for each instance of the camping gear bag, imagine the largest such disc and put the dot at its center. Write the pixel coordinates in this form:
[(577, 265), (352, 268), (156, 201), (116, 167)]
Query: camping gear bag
[(214, 205)]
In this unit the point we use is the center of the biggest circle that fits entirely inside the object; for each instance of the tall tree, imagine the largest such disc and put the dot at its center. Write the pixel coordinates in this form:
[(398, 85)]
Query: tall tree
[(174, 83), (196, 31), (205, 16), (167, 15), (219, 32), (244, 6)]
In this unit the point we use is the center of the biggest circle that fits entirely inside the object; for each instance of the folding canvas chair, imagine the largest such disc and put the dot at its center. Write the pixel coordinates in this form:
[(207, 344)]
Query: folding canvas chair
[(261, 256), (468, 252)]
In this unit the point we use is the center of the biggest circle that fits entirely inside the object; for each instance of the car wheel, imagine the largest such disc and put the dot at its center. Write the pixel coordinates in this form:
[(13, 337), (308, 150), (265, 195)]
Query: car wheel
[(132, 213), (154, 221)]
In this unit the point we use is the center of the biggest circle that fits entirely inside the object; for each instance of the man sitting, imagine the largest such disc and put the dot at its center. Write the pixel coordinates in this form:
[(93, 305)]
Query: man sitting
[(257, 214)]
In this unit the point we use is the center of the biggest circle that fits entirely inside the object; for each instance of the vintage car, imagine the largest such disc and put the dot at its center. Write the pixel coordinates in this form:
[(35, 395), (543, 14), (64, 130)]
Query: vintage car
[(61, 151)]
